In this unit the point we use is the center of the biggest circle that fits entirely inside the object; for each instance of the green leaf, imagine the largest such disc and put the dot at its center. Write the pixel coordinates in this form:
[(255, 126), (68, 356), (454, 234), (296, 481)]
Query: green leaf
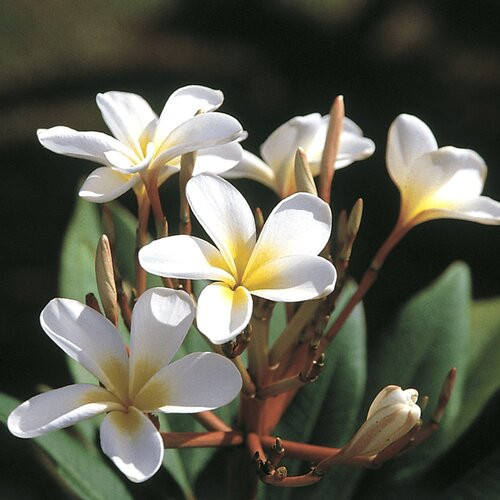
[(325, 412), (483, 369), (82, 470), (483, 481), (427, 339)]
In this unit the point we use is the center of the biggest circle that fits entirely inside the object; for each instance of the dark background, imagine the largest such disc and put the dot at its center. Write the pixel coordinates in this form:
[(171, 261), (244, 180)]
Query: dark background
[(273, 59)]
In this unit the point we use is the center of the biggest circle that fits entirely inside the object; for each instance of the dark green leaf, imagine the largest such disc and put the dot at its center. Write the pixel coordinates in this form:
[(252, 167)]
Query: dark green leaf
[(81, 470)]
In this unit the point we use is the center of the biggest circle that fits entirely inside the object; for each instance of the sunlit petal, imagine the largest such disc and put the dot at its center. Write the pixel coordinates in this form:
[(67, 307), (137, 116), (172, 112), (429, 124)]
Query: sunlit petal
[(106, 184), (183, 104), (225, 216), (218, 159), (185, 257), (160, 322), (132, 442), (292, 279), (60, 408), (283, 233), (86, 145), (89, 338), (128, 116), (408, 139), (223, 313), (201, 131), (196, 382)]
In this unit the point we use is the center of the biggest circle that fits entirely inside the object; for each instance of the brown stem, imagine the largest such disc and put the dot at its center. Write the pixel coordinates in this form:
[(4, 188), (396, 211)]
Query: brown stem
[(330, 151), (202, 439), (141, 239), (211, 421)]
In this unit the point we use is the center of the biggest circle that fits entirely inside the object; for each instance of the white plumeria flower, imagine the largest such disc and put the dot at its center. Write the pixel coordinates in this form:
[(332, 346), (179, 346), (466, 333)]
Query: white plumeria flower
[(436, 182), (142, 140), (282, 265), (133, 386), (309, 133), (392, 414)]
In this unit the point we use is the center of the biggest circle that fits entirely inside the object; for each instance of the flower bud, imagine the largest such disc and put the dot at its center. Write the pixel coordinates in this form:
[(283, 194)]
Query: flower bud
[(105, 278), (392, 414), (303, 176)]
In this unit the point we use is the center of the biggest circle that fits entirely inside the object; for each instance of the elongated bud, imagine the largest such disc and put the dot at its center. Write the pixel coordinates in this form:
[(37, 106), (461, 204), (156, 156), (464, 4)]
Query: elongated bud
[(187, 166), (303, 176), (392, 414), (355, 218), (105, 278)]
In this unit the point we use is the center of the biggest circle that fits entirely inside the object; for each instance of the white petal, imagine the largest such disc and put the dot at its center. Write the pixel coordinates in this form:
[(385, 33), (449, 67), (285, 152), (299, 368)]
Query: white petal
[(160, 321), (218, 159), (279, 149), (284, 232), (59, 408), (106, 184), (199, 132), (223, 313), (292, 279), (196, 382), (121, 162), (132, 442), (89, 338), (184, 257), (183, 104), (87, 145), (225, 216), (481, 209), (408, 139), (252, 167), (128, 116)]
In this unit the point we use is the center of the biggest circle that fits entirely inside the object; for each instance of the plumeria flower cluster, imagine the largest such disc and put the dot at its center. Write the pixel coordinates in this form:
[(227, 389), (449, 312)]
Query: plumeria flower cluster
[(249, 265)]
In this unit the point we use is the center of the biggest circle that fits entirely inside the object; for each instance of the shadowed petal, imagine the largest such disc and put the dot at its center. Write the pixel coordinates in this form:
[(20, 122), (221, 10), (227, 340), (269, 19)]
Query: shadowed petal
[(223, 313), (106, 184), (132, 442)]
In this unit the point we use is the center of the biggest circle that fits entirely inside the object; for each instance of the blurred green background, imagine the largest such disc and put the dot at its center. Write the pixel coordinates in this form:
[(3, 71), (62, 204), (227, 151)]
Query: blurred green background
[(273, 59)]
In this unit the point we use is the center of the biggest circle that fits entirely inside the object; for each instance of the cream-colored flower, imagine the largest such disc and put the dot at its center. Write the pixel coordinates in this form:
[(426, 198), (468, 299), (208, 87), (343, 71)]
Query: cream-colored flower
[(276, 170), (145, 142), (132, 386), (282, 265), (436, 182), (392, 414)]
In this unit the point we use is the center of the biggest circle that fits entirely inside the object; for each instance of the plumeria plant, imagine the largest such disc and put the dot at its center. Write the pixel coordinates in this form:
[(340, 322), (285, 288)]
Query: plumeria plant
[(254, 329)]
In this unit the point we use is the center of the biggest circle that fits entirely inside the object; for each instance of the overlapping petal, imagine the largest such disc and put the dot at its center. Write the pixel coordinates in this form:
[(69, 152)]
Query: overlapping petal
[(218, 159), (222, 312), (132, 442), (128, 116), (105, 184), (160, 322), (226, 217), (199, 132), (292, 279), (89, 338), (60, 408), (185, 257), (183, 104), (196, 382)]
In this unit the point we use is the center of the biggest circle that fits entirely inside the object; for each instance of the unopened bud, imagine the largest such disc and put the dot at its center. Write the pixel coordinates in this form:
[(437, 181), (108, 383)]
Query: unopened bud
[(392, 414), (355, 218), (105, 278), (303, 176)]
